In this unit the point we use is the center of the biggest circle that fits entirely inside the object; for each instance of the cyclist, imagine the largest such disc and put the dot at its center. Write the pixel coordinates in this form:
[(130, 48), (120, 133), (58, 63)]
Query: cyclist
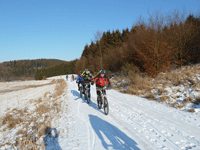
[(67, 77), (79, 80), (72, 77), (101, 79), (86, 77)]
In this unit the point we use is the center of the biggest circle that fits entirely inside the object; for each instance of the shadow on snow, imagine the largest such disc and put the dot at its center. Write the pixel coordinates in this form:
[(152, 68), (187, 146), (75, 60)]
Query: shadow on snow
[(117, 138), (91, 104), (51, 139)]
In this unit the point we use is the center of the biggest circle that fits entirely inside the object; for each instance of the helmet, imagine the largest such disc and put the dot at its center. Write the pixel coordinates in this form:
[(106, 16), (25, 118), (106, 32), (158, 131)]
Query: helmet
[(80, 72), (86, 71), (102, 71)]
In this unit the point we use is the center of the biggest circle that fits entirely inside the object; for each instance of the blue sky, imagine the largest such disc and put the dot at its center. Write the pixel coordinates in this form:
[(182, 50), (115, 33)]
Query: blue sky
[(59, 29)]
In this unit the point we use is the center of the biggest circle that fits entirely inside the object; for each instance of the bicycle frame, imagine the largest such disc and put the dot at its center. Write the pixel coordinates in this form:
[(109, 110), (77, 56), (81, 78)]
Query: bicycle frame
[(102, 95)]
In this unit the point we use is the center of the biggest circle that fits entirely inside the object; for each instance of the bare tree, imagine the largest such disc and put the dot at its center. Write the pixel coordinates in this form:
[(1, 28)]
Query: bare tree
[(97, 38)]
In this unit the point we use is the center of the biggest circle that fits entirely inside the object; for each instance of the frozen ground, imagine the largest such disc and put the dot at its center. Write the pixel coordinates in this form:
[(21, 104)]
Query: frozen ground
[(132, 123)]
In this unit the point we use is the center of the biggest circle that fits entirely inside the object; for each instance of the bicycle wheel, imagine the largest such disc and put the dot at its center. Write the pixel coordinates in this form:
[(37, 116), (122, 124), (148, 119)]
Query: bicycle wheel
[(99, 103), (88, 98), (106, 107), (81, 92)]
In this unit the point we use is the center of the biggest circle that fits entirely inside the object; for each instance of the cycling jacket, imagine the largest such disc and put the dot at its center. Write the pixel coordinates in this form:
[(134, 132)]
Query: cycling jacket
[(100, 81), (79, 78)]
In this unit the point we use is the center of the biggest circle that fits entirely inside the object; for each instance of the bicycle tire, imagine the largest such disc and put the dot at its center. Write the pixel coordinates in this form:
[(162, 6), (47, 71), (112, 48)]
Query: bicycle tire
[(81, 92), (106, 106), (99, 104), (88, 98)]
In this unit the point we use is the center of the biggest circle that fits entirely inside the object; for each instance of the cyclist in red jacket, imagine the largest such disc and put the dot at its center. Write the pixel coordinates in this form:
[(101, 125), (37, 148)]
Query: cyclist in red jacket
[(101, 79)]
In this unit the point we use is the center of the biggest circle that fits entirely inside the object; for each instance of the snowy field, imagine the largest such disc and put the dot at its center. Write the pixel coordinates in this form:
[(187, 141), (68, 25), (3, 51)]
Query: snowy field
[(132, 123)]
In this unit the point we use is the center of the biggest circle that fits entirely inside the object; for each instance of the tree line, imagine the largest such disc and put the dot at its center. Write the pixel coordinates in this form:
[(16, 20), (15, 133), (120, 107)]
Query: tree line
[(151, 47), (60, 69), (13, 70)]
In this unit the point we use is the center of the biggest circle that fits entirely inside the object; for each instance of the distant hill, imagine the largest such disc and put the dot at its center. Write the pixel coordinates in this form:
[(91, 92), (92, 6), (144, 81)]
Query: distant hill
[(60, 69), (18, 69)]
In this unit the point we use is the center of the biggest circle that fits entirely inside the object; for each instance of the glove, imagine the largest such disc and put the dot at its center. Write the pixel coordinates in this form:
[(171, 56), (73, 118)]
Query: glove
[(92, 83), (76, 81)]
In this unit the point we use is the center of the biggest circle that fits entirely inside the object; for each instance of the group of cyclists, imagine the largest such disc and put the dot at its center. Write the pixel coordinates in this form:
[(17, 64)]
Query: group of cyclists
[(100, 79)]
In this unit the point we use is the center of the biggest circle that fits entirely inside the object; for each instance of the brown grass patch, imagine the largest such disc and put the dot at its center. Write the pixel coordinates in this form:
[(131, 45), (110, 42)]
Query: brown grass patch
[(12, 120), (42, 109), (188, 100), (150, 96), (60, 86), (163, 99), (191, 110), (161, 91), (139, 83), (177, 105), (197, 101), (175, 77), (45, 94)]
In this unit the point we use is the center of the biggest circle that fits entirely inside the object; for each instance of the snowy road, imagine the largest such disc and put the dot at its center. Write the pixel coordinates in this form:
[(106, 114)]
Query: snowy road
[(132, 123)]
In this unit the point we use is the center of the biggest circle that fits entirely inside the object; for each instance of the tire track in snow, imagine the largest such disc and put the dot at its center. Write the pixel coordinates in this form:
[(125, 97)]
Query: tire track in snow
[(88, 128), (154, 116)]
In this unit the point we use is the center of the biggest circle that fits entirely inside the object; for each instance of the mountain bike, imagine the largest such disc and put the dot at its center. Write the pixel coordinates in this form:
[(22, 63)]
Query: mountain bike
[(102, 101), (87, 93)]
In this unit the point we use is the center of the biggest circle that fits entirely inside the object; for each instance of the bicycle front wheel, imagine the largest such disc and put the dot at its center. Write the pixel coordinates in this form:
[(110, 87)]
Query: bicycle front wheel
[(99, 102), (81, 91), (88, 100), (106, 107)]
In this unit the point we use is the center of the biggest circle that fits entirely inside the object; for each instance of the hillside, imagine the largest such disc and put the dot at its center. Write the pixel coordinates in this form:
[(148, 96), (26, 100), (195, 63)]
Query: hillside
[(19, 69)]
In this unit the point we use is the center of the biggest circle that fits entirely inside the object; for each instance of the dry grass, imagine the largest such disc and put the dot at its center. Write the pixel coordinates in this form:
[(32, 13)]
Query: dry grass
[(45, 94), (139, 83), (191, 110), (60, 86), (12, 120), (188, 100), (45, 111), (161, 91), (42, 109), (163, 99), (177, 105), (150, 96), (197, 101), (175, 77)]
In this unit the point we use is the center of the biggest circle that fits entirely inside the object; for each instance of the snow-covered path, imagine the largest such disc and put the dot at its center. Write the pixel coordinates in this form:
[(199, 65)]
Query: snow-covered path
[(132, 123)]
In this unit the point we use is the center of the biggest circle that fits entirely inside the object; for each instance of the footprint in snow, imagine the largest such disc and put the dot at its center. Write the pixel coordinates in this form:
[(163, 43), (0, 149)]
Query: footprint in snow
[(151, 130), (158, 136)]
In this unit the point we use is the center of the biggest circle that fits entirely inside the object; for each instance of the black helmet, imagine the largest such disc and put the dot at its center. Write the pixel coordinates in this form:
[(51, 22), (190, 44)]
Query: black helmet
[(102, 71), (80, 72)]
